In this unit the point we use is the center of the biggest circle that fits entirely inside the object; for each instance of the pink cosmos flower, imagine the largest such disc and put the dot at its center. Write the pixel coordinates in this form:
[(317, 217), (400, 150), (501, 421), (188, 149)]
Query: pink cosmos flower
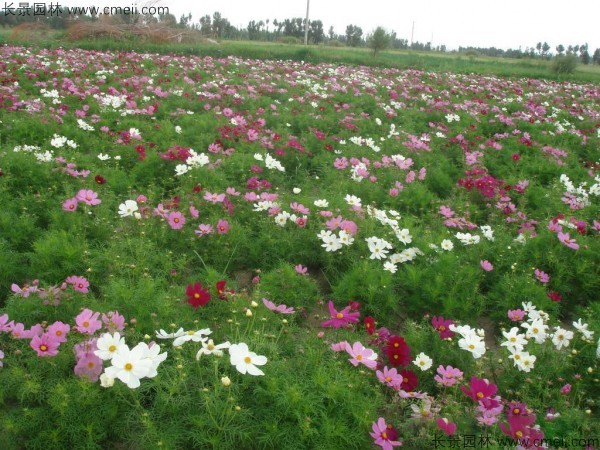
[(565, 239), (299, 208), (232, 191), (35, 330), (340, 346), (300, 269), (214, 198), (516, 315), (362, 355), (86, 347), (542, 276), (301, 221), (80, 284), (70, 204), (5, 325), (24, 291), (59, 331), (194, 212), (204, 229), (391, 377), (333, 223), (283, 309), (446, 426), (341, 318), (349, 227), (113, 321), (486, 265), (176, 220), (382, 436), (448, 376), (17, 330), (89, 366), (565, 389), (222, 226), (45, 345), (87, 322), (88, 197)]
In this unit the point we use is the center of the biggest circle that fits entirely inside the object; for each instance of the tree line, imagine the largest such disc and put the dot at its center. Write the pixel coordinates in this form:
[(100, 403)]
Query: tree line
[(292, 31)]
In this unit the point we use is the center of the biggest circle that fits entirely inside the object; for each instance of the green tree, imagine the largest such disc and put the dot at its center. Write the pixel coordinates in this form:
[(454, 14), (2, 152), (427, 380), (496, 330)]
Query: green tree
[(353, 35), (379, 40), (596, 56), (560, 49)]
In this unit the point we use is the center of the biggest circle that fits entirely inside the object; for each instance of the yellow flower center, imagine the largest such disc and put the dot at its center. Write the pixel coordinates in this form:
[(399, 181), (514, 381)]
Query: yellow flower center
[(339, 316), (519, 434), (359, 357), (471, 346), (112, 348), (43, 348), (513, 339), (128, 366), (210, 346), (516, 411), (480, 395), (384, 435), (247, 360), (196, 295), (90, 364), (442, 328), (86, 324), (536, 331), (388, 379), (190, 333), (58, 333)]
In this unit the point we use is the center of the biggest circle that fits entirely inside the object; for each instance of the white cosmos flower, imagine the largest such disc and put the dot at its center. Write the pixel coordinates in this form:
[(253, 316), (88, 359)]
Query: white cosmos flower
[(404, 236), (536, 330), (561, 337), (390, 267), (128, 208), (195, 336), (514, 341), (129, 366), (321, 203), (152, 354), (473, 344), (162, 334), (422, 361), (246, 361), (447, 245), (209, 348), (582, 328), (109, 345), (180, 169)]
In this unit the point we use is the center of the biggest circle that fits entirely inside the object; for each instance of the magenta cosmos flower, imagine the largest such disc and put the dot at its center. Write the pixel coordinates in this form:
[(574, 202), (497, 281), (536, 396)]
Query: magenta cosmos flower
[(480, 389), (442, 326), (341, 318), (384, 436)]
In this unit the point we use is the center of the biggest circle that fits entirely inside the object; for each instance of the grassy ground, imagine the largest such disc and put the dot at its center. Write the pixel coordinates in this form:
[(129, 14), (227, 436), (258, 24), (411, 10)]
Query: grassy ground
[(429, 61)]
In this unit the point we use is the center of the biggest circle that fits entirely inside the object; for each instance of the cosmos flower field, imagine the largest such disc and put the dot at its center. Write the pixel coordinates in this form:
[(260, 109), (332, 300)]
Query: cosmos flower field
[(247, 254)]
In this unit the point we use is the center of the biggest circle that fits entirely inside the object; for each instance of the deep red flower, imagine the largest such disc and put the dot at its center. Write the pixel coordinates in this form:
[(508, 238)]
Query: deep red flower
[(516, 157), (554, 296), (409, 380), (100, 179), (479, 389), (197, 295), (221, 291), (398, 351), (354, 305), (369, 324)]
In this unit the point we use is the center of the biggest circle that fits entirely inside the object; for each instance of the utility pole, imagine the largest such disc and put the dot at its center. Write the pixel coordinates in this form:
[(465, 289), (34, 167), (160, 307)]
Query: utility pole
[(306, 24), (412, 33)]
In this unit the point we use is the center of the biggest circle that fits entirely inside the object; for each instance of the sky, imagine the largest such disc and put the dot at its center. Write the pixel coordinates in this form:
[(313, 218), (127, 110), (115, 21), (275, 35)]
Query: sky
[(479, 23)]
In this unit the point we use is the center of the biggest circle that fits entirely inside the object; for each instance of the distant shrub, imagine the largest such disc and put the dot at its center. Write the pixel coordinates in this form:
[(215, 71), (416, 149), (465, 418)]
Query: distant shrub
[(564, 64), (31, 31), (379, 40), (335, 43), (290, 40)]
